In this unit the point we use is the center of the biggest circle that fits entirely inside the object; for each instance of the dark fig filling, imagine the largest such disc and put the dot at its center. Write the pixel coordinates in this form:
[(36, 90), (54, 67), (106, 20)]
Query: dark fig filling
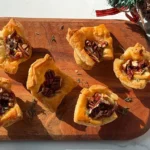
[(16, 46), (51, 84), (7, 100), (95, 49), (98, 106), (131, 67)]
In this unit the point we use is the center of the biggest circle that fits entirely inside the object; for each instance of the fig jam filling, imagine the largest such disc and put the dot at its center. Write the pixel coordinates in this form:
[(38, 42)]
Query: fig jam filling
[(131, 67), (7, 100), (16, 46), (95, 49), (98, 106), (51, 84)]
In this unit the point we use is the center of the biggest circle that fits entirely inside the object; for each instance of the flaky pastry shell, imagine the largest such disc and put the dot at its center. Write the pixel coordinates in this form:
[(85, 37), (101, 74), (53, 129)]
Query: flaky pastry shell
[(14, 114), (136, 53), (76, 39), (36, 78), (80, 114), (8, 64)]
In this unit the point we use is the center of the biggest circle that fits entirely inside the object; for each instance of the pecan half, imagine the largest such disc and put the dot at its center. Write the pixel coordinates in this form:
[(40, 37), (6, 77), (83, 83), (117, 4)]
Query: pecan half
[(94, 49), (99, 107), (51, 84), (7, 100), (16, 46), (131, 67)]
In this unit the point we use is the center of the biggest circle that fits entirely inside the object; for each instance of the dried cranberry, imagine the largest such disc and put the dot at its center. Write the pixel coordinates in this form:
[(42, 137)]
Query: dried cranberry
[(130, 72), (130, 69), (105, 110), (98, 107)]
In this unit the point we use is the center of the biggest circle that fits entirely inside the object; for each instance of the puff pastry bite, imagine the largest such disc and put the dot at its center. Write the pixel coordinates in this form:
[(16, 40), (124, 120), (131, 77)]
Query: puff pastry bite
[(14, 47), (47, 83), (133, 67), (10, 111), (91, 45), (96, 106)]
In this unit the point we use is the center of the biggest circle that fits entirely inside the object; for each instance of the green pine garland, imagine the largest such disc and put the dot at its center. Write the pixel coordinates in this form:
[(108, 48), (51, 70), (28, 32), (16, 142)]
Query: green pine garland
[(125, 3)]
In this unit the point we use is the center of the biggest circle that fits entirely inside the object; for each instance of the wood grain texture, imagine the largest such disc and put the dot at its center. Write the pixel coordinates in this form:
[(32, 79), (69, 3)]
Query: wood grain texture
[(60, 125)]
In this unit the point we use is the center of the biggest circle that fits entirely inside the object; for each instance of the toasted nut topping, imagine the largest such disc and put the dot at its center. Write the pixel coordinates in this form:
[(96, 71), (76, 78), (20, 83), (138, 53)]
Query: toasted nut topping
[(95, 49), (98, 106), (24, 46), (51, 84), (7, 99), (19, 55)]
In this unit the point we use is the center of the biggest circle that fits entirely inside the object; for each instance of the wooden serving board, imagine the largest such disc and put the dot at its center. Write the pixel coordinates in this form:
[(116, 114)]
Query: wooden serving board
[(60, 125)]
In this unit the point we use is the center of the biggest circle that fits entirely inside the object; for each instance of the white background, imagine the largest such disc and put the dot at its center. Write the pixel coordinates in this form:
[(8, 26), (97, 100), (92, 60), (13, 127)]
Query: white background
[(54, 8)]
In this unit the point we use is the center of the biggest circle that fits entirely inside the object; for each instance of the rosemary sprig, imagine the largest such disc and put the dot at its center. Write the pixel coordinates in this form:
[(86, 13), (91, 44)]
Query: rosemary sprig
[(31, 112), (123, 110), (78, 80), (53, 38), (128, 99)]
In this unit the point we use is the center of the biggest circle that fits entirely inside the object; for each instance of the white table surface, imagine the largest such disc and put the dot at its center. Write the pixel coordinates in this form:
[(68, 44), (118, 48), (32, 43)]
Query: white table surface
[(65, 9)]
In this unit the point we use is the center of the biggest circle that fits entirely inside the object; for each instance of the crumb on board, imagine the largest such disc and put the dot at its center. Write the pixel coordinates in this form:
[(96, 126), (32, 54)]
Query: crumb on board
[(78, 80), (83, 83), (76, 71), (62, 27), (37, 33)]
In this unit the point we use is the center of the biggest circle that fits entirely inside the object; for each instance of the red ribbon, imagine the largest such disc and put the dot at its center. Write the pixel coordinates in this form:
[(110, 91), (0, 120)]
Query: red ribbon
[(113, 11), (135, 16)]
